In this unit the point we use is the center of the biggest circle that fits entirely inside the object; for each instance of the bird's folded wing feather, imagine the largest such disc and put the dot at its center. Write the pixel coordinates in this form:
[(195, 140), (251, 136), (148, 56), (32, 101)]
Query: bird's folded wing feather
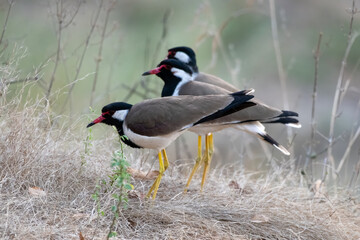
[(163, 116)]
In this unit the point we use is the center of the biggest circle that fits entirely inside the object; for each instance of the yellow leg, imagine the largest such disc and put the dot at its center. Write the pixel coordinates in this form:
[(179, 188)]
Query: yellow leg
[(207, 159), (166, 161), (163, 165), (197, 164), (211, 146)]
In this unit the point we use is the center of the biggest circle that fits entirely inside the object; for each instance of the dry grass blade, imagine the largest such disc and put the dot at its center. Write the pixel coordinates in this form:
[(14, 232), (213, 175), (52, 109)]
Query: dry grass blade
[(138, 174), (233, 206)]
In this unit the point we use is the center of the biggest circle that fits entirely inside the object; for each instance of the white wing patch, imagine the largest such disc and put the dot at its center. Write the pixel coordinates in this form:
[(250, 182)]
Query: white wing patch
[(120, 115), (183, 57)]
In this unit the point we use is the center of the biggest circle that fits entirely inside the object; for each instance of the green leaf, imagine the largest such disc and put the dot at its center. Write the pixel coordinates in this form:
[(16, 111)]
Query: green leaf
[(129, 186), (95, 196), (113, 208), (112, 234)]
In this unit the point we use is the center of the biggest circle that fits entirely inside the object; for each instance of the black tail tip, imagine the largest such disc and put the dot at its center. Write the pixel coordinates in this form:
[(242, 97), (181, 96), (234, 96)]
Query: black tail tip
[(288, 114)]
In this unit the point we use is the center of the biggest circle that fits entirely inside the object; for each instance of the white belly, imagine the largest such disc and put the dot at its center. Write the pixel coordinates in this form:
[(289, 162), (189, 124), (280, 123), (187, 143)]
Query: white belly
[(154, 142), (206, 129)]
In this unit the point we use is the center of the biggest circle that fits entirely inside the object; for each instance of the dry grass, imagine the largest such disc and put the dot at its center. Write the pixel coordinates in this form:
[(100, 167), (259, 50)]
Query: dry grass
[(275, 205)]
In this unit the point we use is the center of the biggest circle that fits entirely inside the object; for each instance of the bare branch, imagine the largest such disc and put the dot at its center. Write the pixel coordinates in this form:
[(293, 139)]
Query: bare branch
[(87, 42), (161, 41), (99, 57), (11, 3), (276, 42), (338, 92), (313, 121), (59, 11), (347, 152), (74, 15), (6, 21)]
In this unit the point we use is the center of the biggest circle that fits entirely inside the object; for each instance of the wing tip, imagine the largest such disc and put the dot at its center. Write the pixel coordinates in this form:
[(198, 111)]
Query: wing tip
[(282, 149)]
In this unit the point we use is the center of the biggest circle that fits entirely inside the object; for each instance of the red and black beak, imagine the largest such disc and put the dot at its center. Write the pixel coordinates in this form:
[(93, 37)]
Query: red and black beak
[(98, 120), (153, 71)]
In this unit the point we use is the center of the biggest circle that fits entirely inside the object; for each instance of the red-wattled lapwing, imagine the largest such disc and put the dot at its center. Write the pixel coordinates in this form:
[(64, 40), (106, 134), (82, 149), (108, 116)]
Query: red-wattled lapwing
[(178, 80), (187, 56), (157, 122)]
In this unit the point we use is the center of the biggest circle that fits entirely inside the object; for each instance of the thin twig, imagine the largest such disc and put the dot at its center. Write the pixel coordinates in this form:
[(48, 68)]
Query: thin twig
[(279, 62), (348, 148), (99, 57), (11, 3), (338, 92), (118, 205), (74, 15), (59, 14), (161, 41), (313, 121), (29, 79), (316, 57), (113, 65), (159, 45), (87, 42), (132, 91), (355, 174)]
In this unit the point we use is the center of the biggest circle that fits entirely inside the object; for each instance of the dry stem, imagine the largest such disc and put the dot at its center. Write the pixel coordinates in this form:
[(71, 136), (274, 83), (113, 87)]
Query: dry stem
[(11, 3), (99, 57), (339, 91), (313, 121)]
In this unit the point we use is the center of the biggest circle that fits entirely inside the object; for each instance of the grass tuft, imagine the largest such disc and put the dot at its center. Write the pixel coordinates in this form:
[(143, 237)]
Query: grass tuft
[(39, 153)]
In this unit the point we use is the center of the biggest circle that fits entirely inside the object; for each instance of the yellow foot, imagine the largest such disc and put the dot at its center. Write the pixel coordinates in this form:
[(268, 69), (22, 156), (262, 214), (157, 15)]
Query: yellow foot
[(154, 187), (163, 165), (195, 168)]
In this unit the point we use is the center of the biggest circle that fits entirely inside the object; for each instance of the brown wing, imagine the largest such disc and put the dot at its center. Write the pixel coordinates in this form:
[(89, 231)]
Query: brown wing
[(200, 88), (259, 112), (162, 116), (211, 79)]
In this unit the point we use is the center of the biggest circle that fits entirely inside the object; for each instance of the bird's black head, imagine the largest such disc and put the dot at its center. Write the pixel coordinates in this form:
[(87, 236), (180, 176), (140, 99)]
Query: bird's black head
[(113, 114), (172, 72), (185, 55), (169, 68)]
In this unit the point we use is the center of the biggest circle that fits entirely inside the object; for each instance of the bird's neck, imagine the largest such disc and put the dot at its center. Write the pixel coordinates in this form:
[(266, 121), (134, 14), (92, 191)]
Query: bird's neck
[(171, 83), (194, 68), (128, 142)]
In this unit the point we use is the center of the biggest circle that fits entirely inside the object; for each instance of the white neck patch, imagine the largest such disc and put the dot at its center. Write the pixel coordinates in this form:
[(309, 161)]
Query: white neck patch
[(183, 57), (120, 115), (184, 76)]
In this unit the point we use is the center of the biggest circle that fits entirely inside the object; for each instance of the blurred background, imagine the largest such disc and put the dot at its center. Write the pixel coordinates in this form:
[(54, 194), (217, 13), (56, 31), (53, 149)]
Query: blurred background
[(82, 54)]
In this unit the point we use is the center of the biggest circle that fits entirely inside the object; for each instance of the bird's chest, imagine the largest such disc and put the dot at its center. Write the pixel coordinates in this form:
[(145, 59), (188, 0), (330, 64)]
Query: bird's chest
[(151, 142)]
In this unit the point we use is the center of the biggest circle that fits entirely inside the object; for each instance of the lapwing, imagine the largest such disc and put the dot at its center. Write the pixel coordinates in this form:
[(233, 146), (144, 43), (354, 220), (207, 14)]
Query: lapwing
[(179, 80), (187, 56), (155, 123)]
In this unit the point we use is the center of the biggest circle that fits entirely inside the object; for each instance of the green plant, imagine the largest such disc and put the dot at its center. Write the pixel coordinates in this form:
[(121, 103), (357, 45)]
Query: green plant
[(118, 183), (87, 142)]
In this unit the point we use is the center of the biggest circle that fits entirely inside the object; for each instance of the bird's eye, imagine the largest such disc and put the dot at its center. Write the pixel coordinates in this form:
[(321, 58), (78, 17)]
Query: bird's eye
[(168, 67), (108, 113), (171, 54)]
